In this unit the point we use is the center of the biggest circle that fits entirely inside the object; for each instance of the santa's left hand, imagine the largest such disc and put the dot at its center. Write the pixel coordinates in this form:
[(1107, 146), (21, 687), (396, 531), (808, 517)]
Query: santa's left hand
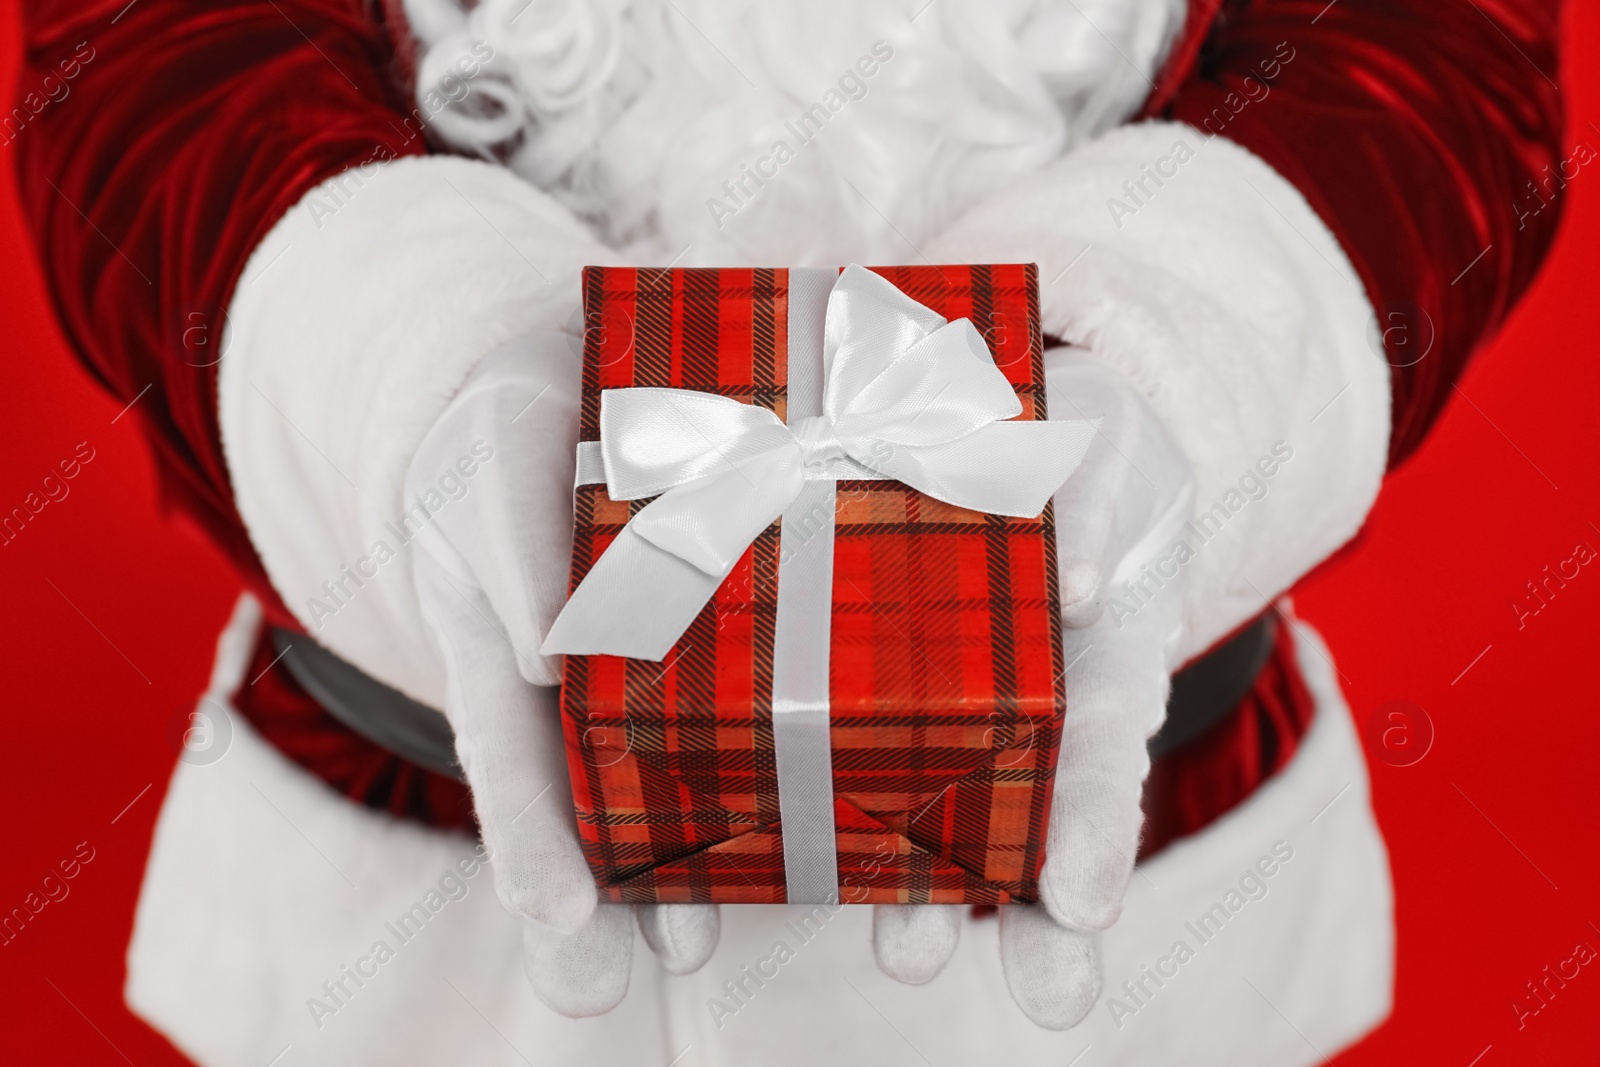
[(1122, 509), (491, 574)]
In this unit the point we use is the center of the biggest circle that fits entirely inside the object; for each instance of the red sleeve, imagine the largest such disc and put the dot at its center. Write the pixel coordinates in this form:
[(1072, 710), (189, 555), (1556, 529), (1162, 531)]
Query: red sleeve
[(186, 130), (1426, 135)]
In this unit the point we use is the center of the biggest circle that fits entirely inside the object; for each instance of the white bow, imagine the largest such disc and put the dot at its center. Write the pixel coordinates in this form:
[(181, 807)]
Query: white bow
[(907, 396)]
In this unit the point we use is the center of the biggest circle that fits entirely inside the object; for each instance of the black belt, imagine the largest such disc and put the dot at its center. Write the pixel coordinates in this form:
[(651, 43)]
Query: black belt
[(1202, 695), (382, 715), (1205, 691)]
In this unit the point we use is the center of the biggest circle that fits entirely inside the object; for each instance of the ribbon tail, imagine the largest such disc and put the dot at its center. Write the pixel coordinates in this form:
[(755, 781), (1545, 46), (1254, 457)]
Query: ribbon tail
[(1008, 468), (645, 590), (636, 601)]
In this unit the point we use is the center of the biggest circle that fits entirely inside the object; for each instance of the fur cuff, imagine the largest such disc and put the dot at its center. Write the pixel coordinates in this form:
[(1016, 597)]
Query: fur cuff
[(1188, 265), (355, 322)]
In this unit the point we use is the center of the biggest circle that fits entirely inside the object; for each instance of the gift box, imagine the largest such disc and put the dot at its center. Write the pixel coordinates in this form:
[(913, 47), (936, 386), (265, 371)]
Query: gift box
[(936, 659)]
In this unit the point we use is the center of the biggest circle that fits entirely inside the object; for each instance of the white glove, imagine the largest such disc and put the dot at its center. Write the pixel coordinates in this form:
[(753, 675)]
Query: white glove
[(491, 572), (1121, 510)]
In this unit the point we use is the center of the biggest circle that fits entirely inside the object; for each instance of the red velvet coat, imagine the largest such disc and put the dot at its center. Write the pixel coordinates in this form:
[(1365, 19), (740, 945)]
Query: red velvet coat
[(1427, 136)]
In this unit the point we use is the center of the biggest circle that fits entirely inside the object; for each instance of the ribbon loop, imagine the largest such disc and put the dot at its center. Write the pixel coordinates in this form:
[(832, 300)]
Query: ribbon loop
[(906, 396), (656, 439), (942, 388)]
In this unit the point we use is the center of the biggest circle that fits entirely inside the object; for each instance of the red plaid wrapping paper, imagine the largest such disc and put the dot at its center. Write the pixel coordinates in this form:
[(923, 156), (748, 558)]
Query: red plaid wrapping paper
[(946, 673)]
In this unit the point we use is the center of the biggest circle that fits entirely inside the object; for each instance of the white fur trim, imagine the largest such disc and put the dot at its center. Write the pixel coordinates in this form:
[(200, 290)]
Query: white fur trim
[(262, 884), (235, 645), (354, 323), (1224, 298)]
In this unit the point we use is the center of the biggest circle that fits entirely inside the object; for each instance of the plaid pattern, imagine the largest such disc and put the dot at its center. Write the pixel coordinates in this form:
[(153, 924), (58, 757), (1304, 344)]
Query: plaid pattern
[(946, 667)]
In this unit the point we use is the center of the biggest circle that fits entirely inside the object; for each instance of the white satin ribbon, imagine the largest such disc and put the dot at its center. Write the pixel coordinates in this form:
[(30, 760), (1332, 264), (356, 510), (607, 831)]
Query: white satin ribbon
[(906, 396)]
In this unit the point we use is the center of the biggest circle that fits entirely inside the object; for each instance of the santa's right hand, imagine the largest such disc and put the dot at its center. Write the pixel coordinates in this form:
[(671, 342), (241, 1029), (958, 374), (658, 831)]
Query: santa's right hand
[(491, 574)]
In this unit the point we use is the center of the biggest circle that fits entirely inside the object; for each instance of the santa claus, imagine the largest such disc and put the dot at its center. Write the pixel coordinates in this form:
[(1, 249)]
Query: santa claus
[(329, 251)]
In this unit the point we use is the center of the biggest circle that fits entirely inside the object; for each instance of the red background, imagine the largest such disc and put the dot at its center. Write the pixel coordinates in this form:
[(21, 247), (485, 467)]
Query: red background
[(111, 613)]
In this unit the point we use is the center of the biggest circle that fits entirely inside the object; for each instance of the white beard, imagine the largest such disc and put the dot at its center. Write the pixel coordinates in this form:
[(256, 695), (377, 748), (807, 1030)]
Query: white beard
[(650, 119)]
